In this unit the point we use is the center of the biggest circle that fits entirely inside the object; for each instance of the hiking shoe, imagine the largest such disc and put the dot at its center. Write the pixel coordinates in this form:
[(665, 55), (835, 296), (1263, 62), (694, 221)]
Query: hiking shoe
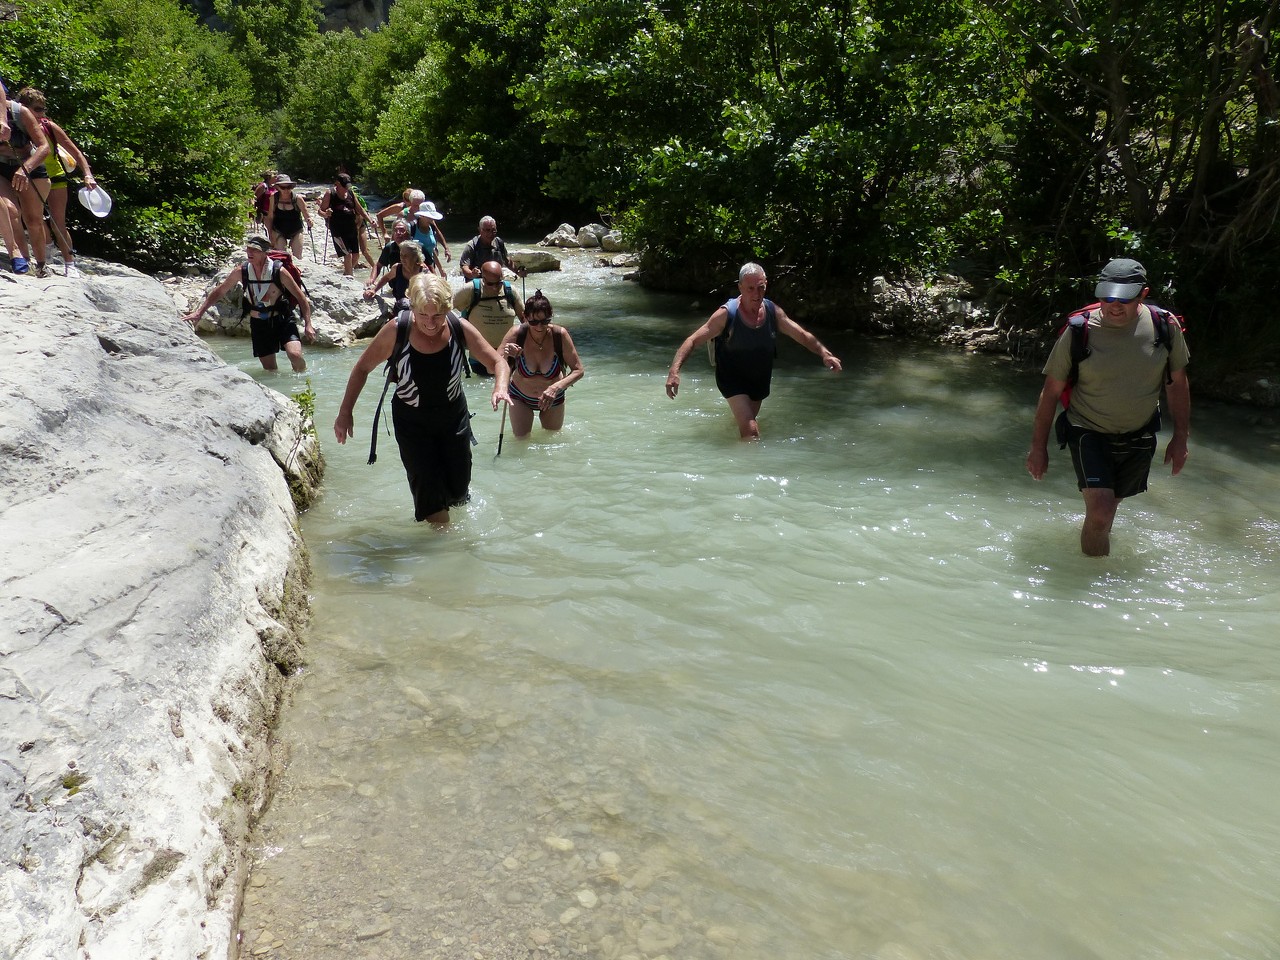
[(20, 264), (71, 271), (41, 271)]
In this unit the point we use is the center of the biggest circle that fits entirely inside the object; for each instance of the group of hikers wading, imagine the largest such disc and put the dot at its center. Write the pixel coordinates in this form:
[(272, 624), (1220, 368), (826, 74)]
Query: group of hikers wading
[(1107, 369)]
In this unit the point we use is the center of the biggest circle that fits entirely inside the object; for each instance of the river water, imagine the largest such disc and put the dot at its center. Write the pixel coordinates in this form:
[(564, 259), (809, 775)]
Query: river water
[(851, 691)]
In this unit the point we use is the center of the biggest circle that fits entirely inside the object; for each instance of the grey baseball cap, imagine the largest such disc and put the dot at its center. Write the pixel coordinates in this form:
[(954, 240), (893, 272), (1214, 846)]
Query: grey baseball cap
[(1122, 279)]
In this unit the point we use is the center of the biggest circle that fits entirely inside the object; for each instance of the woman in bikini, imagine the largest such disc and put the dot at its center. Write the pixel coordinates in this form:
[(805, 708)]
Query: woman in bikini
[(285, 212), (545, 365)]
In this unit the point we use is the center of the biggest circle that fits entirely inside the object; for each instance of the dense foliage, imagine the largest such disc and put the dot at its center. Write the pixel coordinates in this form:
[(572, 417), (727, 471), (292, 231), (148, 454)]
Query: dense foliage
[(1020, 144), (152, 99)]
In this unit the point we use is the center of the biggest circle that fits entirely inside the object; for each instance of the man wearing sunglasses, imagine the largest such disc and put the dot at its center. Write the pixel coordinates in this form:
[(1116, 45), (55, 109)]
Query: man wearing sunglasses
[(1113, 407)]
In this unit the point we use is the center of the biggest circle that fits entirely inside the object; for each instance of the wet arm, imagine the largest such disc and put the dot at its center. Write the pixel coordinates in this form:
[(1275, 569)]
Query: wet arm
[(483, 351), (213, 296), (1178, 395), (1038, 455), (807, 340), (374, 354), (572, 361), (712, 328)]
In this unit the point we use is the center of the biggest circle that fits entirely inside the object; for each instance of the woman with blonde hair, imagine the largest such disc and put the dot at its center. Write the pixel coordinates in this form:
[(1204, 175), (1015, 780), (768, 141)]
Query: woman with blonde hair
[(427, 348), (398, 277)]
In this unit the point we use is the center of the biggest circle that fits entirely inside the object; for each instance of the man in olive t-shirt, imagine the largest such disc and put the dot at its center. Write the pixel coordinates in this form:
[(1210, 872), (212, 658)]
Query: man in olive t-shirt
[(493, 313), (1114, 405)]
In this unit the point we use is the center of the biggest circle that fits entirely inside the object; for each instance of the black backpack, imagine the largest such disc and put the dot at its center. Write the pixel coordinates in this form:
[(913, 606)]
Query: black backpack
[(389, 370)]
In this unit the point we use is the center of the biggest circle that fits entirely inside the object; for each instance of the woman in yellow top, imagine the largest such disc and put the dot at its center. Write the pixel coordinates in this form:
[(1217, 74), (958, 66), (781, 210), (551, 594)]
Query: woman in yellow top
[(64, 156)]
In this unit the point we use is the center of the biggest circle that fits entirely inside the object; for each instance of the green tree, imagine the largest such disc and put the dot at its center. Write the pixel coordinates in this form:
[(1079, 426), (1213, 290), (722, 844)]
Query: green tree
[(1151, 130), (324, 122), (269, 38), (450, 122), (168, 140), (813, 136)]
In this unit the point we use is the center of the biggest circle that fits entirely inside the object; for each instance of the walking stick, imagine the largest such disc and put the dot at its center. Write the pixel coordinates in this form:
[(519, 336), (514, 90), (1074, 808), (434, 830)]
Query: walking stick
[(326, 242), (312, 237), (502, 430)]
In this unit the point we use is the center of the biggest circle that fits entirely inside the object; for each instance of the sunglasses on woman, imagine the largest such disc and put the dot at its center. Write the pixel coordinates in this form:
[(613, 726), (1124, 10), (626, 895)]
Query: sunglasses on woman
[(538, 321)]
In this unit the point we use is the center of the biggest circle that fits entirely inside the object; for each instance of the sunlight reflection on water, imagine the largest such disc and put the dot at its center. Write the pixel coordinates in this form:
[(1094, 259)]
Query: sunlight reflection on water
[(851, 691)]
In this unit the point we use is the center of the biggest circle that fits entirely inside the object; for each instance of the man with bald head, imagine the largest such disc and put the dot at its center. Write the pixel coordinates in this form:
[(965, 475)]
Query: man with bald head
[(745, 333), (492, 306)]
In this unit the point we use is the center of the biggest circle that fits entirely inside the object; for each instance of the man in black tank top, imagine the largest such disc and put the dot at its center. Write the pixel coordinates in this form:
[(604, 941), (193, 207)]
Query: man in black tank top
[(745, 330)]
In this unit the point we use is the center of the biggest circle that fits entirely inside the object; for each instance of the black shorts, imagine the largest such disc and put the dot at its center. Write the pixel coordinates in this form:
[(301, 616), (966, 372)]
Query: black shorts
[(735, 383), (1120, 462), (272, 334), (346, 242), (9, 167)]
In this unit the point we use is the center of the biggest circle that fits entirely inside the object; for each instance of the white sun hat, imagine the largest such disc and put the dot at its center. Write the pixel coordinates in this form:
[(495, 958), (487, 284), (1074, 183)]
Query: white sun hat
[(95, 200)]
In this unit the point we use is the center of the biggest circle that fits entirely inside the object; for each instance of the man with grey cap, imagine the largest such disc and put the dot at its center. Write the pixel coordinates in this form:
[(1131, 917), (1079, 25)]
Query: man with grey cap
[(1107, 369)]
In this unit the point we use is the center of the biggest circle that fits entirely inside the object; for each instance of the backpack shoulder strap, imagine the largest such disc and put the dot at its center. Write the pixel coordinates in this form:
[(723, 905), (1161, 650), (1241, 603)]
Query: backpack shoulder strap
[(475, 298), (402, 337), (511, 296), (557, 343), (1078, 324), (522, 334), (458, 342), (731, 308), (1161, 319)]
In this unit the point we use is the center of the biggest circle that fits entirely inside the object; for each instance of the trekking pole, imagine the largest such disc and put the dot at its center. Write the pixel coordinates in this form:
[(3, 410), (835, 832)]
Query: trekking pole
[(326, 242), (501, 430), (312, 237)]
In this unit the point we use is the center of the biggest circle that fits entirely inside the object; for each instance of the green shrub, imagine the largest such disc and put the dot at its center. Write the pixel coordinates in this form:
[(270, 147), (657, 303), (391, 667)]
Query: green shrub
[(158, 105)]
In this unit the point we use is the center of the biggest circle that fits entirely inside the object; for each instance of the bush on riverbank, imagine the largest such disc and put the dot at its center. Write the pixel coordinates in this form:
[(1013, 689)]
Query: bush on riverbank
[(158, 104)]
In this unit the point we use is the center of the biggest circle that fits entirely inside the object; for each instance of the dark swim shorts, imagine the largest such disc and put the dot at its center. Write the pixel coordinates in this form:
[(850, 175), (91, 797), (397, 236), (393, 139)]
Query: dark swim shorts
[(271, 334), (735, 382), (1120, 462)]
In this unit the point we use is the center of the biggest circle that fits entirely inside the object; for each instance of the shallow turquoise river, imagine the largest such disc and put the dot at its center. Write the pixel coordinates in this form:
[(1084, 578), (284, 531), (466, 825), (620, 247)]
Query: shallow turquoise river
[(848, 692)]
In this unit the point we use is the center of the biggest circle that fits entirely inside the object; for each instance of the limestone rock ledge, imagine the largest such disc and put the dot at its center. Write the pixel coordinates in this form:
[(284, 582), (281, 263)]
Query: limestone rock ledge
[(154, 595)]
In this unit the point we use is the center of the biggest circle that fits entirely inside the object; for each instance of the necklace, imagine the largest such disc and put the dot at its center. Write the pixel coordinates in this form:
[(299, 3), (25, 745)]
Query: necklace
[(538, 342)]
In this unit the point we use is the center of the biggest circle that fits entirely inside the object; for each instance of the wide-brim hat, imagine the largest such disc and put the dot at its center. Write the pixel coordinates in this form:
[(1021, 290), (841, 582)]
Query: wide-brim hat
[(1121, 279), (284, 180), (95, 200), (428, 210)]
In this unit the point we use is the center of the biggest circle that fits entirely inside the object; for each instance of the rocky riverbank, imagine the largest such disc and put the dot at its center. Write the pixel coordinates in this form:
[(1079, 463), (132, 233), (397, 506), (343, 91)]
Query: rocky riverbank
[(155, 597)]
